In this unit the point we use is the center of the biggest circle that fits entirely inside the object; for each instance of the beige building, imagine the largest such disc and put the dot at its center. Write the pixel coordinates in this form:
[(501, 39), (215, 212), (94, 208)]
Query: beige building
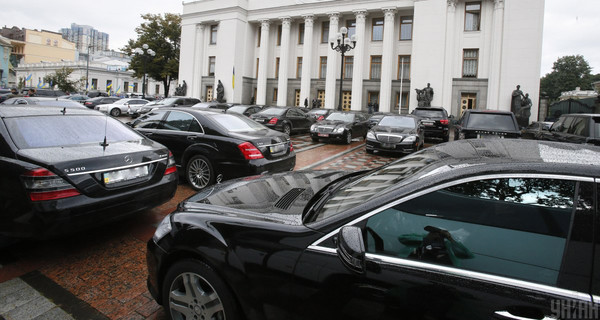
[(47, 46)]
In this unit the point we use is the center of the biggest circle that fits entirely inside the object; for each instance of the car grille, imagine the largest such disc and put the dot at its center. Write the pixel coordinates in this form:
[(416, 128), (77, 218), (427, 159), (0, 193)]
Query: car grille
[(324, 129), (389, 138)]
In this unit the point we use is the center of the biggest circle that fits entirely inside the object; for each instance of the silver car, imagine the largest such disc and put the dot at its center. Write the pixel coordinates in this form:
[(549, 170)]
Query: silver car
[(127, 105)]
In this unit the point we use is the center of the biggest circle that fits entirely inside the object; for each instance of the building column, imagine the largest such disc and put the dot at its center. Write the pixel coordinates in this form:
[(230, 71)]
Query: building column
[(450, 54), (306, 59), (196, 85), (284, 59), (332, 57), (263, 60), (496, 55), (387, 61), (359, 58)]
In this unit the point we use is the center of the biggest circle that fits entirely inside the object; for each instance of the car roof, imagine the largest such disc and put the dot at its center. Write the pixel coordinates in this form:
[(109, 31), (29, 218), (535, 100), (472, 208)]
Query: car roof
[(488, 111), (430, 108), (10, 111), (581, 115)]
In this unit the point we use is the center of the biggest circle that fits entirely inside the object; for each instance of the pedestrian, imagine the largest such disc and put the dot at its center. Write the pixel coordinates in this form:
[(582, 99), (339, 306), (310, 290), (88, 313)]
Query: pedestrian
[(31, 92), (314, 103), (306, 102), (370, 107)]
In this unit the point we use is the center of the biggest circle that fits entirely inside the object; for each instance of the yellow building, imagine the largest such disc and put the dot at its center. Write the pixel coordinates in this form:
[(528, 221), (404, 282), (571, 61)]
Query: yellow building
[(47, 46)]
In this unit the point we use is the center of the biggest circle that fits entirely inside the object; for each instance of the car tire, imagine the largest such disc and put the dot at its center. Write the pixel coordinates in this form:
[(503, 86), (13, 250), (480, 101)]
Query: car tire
[(446, 138), (348, 137), (314, 139), (287, 129), (199, 172), (210, 298), (115, 112)]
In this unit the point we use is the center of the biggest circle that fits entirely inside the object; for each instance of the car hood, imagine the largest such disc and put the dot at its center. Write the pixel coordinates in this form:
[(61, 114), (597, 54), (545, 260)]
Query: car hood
[(332, 123), (274, 197), (392, 130)]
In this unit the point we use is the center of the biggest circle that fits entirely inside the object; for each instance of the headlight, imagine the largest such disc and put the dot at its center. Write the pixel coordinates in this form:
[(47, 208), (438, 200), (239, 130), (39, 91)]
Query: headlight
[(410, 139), (164, 227), (313, 127), (371, 135), (339, 129)]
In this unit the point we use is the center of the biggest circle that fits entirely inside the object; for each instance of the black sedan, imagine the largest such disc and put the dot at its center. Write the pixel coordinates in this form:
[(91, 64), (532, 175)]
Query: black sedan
[(93, 102), (341, 125), (536, 130), (211, 146), (285, 119), (400, 134), (493, 229), (246, 110), (68, 169)]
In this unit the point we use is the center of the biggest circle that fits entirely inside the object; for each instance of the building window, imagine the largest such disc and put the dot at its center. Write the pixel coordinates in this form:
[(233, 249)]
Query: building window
[(95, 84), (275, 95), (157, 89), (135, 86), (406, 24), (301, 33), (351, 25), (403, 67), (375, 71), (259, 35), (257, 61), (470, 57), (322, 67), (126, 86), (213, 34), (277, 68), (472, 16), (377, 30), (279, 35), (211, 65), (348, 66), (403, 103), (299, 68), (325, 32)]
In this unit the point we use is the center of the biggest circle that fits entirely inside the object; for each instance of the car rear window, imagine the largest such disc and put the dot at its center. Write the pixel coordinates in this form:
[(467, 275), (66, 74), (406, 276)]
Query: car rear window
[(429, 113), (234, 123), (273, 111), (491, 121), (53, 131)]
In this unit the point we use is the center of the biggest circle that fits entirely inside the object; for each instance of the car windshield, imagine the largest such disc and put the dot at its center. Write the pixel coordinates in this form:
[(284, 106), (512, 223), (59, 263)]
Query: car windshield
[(374, 184), (235, 123), (319, 111), (429, 113), (166, 101), (273, 111), (491, 121), (53, 131), (338, 116), (402, 122)]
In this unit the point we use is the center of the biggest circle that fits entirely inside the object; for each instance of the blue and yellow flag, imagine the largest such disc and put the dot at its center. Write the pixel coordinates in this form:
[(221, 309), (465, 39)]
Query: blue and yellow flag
[(118, 90), (29, 77), (40, 84)]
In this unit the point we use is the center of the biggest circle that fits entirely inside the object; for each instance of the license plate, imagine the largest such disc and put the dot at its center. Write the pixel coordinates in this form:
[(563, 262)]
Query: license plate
[(429, 124), (489, 136), (124, 175), (277, 148), (387, 145), (323, 134)]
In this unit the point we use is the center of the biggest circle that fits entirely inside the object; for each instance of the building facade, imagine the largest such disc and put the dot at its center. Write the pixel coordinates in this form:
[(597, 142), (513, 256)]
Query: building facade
[(33, 46), (277, 52), (5, 65), (86, 37)]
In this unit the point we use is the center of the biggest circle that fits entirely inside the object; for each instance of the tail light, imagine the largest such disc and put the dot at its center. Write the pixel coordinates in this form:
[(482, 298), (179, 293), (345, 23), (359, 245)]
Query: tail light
[(273, 121), (249, 151), (171, 168), (444, 121), (320, 118), (44, 185), (291, 146)]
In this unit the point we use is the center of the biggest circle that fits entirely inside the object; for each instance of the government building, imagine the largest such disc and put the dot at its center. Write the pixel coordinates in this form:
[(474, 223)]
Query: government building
[(473, 54)]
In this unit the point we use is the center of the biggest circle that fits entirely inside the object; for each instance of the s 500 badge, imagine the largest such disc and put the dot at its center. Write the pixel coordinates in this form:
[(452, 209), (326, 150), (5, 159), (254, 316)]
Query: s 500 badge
[(72, 170)]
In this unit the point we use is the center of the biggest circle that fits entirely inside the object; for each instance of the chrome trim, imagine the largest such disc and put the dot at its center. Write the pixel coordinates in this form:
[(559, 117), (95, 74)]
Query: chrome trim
[(117, 168), (421, 266), (448, 184), (509, 315)]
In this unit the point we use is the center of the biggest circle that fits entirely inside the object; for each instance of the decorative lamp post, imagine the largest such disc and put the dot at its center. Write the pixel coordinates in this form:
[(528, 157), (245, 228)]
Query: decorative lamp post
[(344, 44), (144, 51)]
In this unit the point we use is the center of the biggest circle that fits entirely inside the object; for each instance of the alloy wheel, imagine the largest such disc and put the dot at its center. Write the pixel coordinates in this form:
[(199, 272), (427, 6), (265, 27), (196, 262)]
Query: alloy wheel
[(199, 173), (192, 297)]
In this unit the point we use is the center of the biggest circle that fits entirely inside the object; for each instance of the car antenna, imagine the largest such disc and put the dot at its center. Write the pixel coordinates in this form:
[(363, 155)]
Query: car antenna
[(104, 144), (64, 110)]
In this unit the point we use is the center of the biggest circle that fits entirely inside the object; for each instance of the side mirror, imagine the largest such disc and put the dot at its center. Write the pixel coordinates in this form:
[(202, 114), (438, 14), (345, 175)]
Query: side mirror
[(351, 248)]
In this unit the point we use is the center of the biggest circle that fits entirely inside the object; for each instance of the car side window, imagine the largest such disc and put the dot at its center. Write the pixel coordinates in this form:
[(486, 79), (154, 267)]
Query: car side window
[(566, 124), (579, 127), (494, 226), (148, 121), (179, 121)]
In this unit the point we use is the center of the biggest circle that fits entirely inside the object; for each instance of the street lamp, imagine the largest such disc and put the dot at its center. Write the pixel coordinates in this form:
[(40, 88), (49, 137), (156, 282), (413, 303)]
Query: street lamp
[(344, 44), (87, 70), (144, 51)]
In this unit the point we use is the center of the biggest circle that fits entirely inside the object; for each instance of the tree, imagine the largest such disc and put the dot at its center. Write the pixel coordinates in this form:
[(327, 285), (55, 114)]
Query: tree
[(163, 35), (61, 79), (568, 73)]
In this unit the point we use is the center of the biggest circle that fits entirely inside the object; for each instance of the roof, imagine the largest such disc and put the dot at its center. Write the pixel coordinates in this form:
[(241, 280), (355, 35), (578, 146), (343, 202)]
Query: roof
[(8, 111)]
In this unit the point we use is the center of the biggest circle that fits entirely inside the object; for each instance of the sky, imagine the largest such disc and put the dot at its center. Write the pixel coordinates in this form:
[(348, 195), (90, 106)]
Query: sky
[(570, 26)]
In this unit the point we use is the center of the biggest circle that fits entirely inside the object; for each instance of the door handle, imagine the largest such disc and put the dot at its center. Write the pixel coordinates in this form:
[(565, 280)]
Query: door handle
[(147, 134), (192, 137), (509, 315)]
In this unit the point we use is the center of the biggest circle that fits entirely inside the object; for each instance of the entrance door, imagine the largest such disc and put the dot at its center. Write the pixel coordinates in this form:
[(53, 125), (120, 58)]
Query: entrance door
[(209, 93), (346, 100), (321, 98), (467, 102), (374, 100), (297, 99)]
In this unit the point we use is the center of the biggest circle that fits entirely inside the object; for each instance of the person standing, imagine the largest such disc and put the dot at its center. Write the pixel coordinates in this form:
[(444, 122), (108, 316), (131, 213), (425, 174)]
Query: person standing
[(31, 92)]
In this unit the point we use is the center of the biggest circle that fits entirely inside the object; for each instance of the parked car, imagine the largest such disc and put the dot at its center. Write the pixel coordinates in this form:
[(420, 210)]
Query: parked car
[(212, 105), (435, 122), (212, 146), (76, 97), (246, 110), (167, 103), (535, 130), (286, 119), (95, 94), (484, 124), (319, 114), (575, 128), (66, 171), (453, 231), (127, 105), (45, 101), (341, 125), (93, 102), (41, 92), (401, 134)]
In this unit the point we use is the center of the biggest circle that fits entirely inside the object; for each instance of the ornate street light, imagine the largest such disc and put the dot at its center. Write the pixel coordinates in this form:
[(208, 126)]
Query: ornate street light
[(344, 44), (144, 51)]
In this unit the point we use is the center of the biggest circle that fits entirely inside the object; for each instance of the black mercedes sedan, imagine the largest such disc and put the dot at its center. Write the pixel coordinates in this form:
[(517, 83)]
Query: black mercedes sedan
[(64, 170), (472, 229), (285, 119), (400, 134), (211, 146), (342, 126)]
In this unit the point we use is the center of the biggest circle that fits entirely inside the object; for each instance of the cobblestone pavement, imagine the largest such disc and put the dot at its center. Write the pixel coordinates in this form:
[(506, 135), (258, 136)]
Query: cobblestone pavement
[(101, 273)]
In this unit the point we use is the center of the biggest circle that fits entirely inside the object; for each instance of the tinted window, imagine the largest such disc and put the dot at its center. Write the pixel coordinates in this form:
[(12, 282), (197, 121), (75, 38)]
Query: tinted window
[(429, 113), (338, 116), (178, 121), (491, 121), (273, 111), (148, 121), (238, 109), (52, 131), (234, 123), (579, 126), (494, 226)]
